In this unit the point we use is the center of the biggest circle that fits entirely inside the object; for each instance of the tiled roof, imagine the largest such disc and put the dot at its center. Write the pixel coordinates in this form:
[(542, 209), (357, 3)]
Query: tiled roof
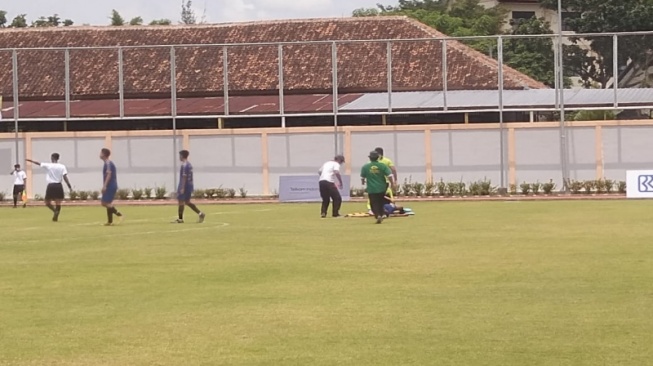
[(252, 69)]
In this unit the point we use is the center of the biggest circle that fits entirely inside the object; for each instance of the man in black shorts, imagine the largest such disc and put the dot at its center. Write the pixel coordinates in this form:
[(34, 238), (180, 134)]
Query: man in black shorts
[(56, 173)]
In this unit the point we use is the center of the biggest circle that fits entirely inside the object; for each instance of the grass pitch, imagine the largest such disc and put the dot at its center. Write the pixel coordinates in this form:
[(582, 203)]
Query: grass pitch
[(486, 283)]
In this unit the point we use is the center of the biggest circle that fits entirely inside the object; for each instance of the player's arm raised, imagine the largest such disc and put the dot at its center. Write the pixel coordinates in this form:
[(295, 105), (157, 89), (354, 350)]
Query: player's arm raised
[(33, 162)]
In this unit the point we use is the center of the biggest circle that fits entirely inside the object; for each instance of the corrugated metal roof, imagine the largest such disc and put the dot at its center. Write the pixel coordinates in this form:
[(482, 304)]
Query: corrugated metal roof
[(489, 99)]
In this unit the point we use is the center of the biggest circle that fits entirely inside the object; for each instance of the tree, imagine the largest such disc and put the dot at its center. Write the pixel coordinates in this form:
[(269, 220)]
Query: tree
[(595, 66), (20, 21), (532, 56), (187, 12), (68, 23), (136, 21), (51, 21), (3, 18), (366, 12), (161, 22), (116, 18), (460, 18)]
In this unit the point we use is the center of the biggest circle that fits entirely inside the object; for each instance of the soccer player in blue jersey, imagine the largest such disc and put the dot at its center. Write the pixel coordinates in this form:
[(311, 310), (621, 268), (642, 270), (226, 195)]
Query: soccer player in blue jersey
[(185, 189), (110, 186)]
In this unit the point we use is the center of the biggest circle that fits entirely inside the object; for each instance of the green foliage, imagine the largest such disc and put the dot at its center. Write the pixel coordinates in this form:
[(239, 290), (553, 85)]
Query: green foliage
[(199, 194), (536, 187), (442, 188), (20, 21), (407, 187), (454, 18), (187, 13), (136, 21), (137, 194), (588, 186), (599, 185), (116, 18), (607, 16), (123, 194), (609, 185), (161, 22), (366, 12), (513, 189), (418, 189), (3, 195), (95, 195), (576, 186), (147, 192), (429, 188), (74, 195), (231, 193), (83, 195), (242, 192), (548, 187), (160, 193), (3, 18), (532, 56), (621, 187), (593, 115), (525, 188)]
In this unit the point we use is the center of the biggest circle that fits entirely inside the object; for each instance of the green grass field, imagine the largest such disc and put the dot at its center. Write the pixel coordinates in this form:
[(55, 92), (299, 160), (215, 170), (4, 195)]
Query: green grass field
[(483, 283)]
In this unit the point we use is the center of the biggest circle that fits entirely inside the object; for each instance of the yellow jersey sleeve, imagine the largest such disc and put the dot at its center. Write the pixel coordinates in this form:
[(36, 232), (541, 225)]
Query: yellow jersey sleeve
[(387, 162)]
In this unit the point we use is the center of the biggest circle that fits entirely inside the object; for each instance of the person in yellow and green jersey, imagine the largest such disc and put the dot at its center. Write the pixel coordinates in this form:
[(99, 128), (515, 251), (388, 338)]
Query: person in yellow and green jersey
[(385, 160), (375, 176)]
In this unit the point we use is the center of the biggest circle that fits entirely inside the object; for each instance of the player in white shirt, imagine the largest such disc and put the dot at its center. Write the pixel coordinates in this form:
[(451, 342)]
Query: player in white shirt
[(20, 179), (329, 173), (56, 173)]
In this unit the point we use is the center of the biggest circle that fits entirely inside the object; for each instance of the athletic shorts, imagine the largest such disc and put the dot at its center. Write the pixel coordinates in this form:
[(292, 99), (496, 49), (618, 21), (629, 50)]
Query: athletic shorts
[(109, 195), (54, 192), (18, 188), (188, 194), (389, 209)]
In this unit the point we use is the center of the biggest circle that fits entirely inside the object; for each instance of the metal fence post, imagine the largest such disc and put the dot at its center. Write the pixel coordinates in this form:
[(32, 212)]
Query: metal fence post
[(334, 72), (615, 69), (14, 70), (121, 84), (501, 127), (564, 157), (67, 81), (225, 87), (281, 87), (445, 75), (173, 110), (389, 73)]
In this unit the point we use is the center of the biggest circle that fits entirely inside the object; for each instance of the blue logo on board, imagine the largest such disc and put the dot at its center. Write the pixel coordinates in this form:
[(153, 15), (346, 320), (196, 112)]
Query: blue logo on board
[(645, 183)]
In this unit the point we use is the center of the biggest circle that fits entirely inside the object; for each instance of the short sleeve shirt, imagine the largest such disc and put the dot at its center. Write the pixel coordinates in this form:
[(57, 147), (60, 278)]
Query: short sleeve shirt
[(375, 173), (109, 166), (186, 173), (328, 171), (55, 172), (19, 177)]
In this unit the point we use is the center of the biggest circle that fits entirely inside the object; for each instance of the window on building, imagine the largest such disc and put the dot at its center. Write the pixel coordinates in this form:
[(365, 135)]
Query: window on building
[(520, 16), (566, 16)]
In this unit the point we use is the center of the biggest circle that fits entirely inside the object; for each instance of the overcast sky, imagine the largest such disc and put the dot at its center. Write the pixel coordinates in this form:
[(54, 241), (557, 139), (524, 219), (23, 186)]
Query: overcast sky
[(96, 12)]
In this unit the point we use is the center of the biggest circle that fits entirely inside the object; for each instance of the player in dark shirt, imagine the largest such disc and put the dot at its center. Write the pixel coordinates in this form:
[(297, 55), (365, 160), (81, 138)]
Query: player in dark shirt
[(185, 189), (109, 186)]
